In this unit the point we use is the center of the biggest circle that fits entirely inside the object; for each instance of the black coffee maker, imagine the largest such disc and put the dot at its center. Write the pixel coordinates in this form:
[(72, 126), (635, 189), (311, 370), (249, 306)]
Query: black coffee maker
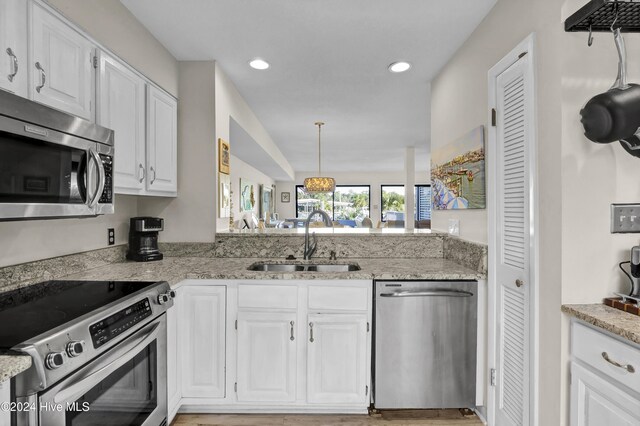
[(143, 238)]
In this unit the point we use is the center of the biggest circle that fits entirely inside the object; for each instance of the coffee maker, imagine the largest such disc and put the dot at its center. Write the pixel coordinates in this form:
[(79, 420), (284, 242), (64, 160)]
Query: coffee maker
[(143, 238)]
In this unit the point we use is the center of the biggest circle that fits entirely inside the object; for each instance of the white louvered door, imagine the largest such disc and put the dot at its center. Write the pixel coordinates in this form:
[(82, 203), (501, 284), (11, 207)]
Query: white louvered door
[(512, 226)]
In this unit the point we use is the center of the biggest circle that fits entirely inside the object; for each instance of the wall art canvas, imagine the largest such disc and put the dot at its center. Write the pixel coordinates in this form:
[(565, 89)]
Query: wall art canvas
[(224, 157), (458, 173), (266, 201), (247, 195), (285, 197), (224, 198)]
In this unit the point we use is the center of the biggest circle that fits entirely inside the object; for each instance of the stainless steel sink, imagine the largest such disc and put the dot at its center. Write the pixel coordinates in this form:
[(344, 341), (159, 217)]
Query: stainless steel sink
[(287, 267)]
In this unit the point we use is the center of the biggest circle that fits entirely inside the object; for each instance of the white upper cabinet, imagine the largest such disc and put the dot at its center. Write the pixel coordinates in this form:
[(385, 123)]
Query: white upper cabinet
[(13, 47), (121, 107), (61, 64), (162, 145), (337, 359)]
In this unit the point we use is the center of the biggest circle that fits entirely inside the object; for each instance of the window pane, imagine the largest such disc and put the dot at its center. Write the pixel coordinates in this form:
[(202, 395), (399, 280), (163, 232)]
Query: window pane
[(306, 203), (423, 202), (392, 202), (351, 203)]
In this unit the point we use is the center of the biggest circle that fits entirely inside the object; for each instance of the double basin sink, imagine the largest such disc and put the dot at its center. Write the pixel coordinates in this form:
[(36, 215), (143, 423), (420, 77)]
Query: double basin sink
[(288, 267)]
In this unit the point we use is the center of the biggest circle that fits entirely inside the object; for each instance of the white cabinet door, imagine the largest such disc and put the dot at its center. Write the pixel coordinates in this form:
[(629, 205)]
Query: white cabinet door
[(13, 47), (121, 107), (597, 402), (266, 357), (203, 349), (337, 359), (61, 64), (162, 146), (174, 371)]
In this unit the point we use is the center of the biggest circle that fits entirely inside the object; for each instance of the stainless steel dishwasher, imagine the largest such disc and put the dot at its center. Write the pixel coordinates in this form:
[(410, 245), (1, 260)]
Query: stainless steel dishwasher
[(425, 344)]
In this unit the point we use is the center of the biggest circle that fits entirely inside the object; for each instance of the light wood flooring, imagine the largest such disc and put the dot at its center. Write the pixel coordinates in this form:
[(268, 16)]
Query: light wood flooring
[(424, 417)]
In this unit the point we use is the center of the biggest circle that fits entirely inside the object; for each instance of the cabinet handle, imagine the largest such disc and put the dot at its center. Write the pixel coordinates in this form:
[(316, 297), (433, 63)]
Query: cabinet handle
[(292, 338), (144, 172), (43, 77), (14, 62), (627, 367), (519, 283), (154, 174), (311, 332)]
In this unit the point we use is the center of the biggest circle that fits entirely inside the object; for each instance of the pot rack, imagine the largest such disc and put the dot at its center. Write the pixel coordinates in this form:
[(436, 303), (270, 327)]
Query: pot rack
[(604, 15)]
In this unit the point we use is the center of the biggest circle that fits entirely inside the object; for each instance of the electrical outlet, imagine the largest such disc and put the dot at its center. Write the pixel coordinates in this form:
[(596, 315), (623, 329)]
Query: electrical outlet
[(625, 218), (111, 239), (454, 227)]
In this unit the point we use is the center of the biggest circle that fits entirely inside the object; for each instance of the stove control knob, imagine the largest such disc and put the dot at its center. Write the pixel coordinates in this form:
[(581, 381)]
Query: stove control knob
[(172, 293), (54, 360), (75, 348), (163, 298)]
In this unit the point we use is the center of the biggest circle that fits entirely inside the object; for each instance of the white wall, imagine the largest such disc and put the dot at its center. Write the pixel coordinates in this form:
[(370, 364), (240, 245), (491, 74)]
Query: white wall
[(375, 179), (191, 216), (460, 102), (230, 103), (109, 22), (240, 169)]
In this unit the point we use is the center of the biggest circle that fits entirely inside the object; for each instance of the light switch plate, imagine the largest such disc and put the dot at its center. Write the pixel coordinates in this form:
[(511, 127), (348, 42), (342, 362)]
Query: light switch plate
[(625, 218), (454, 227)]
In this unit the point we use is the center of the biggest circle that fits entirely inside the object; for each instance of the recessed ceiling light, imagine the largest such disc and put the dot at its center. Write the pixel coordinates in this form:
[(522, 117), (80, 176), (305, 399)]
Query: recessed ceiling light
[(259, 64), (400, 66)]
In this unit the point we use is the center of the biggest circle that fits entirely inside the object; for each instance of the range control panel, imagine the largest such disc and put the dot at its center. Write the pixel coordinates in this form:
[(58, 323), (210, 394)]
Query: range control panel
[(116, 324)]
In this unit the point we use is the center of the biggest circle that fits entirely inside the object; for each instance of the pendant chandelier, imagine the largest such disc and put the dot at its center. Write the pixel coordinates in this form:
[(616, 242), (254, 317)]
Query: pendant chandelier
[(318, 184)]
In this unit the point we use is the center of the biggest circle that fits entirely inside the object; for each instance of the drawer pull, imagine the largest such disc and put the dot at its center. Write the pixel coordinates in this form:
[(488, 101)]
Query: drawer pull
[(627, 367)]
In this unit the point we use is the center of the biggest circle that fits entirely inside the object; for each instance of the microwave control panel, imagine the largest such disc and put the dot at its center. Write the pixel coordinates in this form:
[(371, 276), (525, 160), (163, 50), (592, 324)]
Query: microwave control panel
[(116, 324), (107, 192)]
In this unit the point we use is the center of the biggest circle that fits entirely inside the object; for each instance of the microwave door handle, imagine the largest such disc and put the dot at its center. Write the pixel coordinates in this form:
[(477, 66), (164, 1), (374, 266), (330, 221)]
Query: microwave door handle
[(114, 361), (101, 178)]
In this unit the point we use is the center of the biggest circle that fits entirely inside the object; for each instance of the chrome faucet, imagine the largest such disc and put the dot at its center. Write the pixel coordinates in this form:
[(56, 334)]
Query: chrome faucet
[(309, 249)]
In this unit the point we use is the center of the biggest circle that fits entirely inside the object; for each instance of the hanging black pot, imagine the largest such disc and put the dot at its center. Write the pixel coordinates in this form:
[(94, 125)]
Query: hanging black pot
[(615, 114)]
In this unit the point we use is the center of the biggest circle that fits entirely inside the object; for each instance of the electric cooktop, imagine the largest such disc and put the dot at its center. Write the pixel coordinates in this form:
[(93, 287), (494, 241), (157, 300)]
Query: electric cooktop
[(28, 312)]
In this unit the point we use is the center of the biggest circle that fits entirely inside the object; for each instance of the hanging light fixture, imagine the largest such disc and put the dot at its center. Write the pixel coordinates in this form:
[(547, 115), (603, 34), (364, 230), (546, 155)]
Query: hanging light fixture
[(314, 185)]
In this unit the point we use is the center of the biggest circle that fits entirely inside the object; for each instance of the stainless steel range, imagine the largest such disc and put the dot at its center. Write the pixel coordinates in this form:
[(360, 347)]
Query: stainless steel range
[(98, 350)]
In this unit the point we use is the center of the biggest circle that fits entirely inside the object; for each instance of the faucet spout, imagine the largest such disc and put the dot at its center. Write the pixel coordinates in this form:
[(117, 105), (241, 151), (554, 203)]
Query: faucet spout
[(310, 249)]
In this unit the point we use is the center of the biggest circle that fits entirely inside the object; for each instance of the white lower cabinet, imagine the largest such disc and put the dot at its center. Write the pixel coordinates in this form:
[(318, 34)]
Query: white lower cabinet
[(266, 357), (202, 325), (337, 359), (603, 393), (278, 345)]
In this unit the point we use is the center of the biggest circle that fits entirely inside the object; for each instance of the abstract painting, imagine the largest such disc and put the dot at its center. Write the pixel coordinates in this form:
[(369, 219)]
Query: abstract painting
[(247, 196), (458, 173)]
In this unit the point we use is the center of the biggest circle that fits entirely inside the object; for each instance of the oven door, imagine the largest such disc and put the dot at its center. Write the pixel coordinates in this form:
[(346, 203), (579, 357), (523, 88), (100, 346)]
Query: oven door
[(124, 386), (46, 173)]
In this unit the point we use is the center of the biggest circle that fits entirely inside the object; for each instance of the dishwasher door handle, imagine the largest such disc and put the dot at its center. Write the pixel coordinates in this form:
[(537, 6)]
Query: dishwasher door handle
[(428, 293)]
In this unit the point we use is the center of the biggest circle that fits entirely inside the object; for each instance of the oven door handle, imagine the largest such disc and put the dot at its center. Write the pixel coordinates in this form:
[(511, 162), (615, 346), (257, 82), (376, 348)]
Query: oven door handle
[(428, 293), (114, 360)]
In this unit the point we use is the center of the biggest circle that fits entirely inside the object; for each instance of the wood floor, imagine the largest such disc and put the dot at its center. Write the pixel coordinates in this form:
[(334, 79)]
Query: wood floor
[(425, 417)]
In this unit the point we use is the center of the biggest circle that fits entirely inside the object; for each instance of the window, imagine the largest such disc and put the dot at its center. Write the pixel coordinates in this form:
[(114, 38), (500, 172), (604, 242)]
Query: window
[(393, 206), (349, 204)]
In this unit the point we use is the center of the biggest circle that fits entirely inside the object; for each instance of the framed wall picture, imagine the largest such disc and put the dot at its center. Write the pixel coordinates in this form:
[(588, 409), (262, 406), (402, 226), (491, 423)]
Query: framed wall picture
[(224, 198), (224, 157), (285, 197), (247, 196), (266, 201)]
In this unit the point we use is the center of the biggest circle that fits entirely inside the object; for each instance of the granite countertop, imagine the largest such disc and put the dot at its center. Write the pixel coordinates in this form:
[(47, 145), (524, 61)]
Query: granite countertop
[(176, 269), (613, 320), (12, 365), (338, 232)]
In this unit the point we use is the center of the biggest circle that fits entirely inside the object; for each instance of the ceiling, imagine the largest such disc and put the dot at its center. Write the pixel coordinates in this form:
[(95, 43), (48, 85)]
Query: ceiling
[(329, 62)]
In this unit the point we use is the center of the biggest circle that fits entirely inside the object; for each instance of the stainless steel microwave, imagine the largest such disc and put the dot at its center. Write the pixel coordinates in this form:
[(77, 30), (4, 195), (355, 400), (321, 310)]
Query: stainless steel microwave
[(52, 164)]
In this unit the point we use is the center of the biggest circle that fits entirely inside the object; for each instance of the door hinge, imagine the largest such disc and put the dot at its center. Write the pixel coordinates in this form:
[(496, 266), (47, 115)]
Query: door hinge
[(367, 326), (494, 117), (236, 324), (366, 390), (492, 376), (95, 62), (235, 387)]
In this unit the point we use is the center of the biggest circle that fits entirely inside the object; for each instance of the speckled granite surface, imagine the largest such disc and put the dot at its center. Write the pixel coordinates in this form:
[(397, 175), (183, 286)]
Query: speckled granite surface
[(176, 269), (12, 365), (613, 320), (234, 245), (467, 253)]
